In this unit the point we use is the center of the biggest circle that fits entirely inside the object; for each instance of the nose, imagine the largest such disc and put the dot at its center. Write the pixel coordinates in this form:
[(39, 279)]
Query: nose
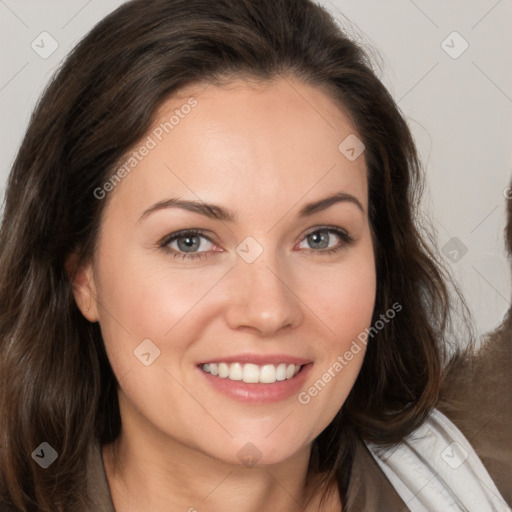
[(262, 296)]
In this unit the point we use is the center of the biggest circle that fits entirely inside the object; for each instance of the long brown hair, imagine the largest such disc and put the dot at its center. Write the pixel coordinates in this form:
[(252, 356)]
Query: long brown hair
[(56, 383)]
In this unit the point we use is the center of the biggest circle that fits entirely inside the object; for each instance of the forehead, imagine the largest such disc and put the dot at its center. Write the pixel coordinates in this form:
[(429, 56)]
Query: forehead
[(243, 143)]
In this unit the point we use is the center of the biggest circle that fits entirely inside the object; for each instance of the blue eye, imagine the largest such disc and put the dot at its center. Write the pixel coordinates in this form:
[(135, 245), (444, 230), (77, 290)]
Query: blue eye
[(187, 243), (321, 237)]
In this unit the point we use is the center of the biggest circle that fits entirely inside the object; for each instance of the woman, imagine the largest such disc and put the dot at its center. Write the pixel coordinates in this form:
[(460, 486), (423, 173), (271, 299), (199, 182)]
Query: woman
[(214, 291)]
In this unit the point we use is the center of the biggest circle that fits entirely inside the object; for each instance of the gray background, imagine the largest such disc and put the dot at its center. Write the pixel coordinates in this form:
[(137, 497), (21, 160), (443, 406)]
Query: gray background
[(459, 109)]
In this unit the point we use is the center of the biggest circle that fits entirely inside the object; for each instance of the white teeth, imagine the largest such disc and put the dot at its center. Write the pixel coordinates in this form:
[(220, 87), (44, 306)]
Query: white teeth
[(235, 372), (281, 372), (223, 370), (253, 373), (268, 374)]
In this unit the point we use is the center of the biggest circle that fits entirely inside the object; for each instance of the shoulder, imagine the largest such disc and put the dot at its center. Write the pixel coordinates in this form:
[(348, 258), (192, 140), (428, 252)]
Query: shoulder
[(436, 468), (370, 489), (460, 458), (477, 397)]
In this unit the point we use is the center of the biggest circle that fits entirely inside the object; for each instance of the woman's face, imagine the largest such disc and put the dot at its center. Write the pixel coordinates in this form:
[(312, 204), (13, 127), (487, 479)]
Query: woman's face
[(272, 278)]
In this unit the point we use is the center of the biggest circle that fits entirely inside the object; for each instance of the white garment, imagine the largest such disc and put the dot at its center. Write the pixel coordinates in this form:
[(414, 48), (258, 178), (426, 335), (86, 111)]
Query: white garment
[(435, 469)]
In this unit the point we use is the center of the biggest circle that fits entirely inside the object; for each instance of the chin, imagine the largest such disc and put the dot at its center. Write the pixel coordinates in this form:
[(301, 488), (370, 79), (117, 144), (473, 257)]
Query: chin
[(258, 451)]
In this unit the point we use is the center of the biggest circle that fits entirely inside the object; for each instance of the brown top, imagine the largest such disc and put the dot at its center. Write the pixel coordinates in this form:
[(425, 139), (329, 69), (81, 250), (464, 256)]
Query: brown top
[(476, 397)]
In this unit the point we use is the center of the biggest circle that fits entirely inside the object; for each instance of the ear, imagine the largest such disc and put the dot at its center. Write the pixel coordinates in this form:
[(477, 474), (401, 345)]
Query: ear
[(84, 287)]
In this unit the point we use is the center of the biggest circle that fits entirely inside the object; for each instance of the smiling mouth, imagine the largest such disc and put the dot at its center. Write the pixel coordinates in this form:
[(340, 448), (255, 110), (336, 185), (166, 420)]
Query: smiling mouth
[(252, 373)]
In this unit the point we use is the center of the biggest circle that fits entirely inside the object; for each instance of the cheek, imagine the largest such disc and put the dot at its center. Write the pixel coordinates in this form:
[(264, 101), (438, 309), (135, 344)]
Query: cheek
[(344, 300), (343, 297), (142, 298), (145, 295)]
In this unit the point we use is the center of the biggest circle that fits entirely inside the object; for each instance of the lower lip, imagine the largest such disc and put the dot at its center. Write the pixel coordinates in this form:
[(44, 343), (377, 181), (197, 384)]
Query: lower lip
[(260, 393)]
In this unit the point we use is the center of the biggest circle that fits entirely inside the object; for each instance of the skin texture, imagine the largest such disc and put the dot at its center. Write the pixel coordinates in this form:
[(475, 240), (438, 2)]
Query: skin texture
[(263, 151)]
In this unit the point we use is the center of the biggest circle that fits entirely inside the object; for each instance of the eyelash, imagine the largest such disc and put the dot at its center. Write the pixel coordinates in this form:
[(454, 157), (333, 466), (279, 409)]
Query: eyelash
[(164, 245)]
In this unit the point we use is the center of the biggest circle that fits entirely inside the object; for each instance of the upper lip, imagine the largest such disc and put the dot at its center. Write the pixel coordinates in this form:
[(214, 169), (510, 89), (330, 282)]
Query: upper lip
[(259, 359)]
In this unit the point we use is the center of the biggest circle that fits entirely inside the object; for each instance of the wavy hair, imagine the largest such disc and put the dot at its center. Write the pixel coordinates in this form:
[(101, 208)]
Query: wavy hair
[(56, 383)]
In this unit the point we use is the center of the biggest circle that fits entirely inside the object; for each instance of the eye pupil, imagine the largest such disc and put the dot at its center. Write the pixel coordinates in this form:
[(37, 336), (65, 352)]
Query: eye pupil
[(191, 242), (321, 237)]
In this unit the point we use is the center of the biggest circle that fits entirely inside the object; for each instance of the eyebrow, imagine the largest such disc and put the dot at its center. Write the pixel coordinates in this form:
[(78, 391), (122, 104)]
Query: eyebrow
[(216, 212)]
